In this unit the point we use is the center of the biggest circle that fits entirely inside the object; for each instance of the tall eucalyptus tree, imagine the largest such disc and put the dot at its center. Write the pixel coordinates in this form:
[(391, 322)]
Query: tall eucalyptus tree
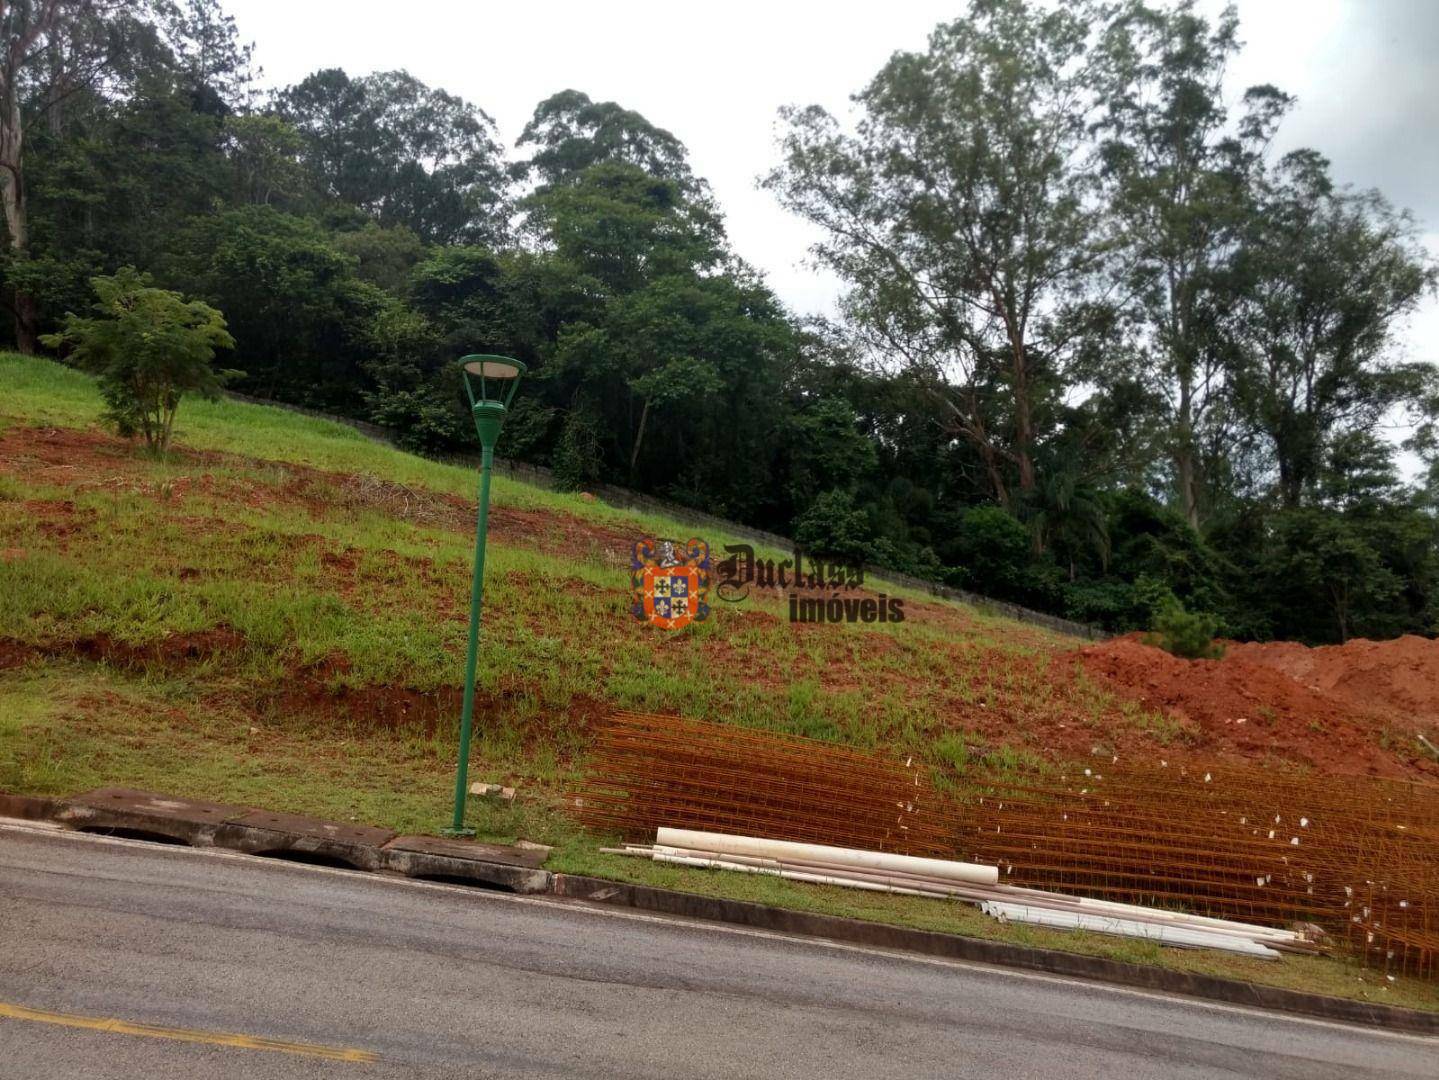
[(956, 212), (1179, 187)]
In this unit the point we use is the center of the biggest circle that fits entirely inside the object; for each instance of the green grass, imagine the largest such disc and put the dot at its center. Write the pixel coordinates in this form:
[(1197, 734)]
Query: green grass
[(232, 625), (51, 394)]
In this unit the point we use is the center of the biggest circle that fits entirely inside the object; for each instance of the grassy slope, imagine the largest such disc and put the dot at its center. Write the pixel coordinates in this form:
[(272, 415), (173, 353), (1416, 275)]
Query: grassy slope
[(276, 614)]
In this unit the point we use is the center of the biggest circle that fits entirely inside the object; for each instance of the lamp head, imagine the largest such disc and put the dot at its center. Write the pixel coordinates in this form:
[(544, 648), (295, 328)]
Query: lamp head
[(490, 384)]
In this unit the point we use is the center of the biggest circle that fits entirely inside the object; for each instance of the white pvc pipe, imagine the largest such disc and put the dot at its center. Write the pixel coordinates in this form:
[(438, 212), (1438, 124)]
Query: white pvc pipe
[(795, 875), (1028, 906), (1191, 937), (865, 860), (1199, 921), (830, 874)]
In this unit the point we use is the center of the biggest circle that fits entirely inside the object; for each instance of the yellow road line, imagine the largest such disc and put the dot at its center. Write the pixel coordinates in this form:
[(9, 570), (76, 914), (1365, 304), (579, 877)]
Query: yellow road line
[(214, 1038)]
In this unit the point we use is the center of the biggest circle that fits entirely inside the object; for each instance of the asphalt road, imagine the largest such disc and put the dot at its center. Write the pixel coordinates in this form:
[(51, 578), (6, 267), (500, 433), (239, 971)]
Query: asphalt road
[(442, 981)]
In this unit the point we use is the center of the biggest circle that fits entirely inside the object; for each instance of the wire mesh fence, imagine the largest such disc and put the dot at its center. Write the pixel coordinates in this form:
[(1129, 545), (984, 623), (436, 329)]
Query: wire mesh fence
[(1357, 858), (650, 770)]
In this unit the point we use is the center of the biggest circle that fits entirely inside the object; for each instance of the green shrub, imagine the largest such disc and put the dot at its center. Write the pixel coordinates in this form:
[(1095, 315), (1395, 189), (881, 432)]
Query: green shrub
[(1105, 603), (834, 526), (1189, 634), (424, 420), (993, 553), (149, 347), (579, 454)]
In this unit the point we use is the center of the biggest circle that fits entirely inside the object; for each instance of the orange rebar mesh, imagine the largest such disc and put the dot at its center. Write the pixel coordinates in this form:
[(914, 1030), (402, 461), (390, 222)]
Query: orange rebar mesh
[(1357, 857), (648, 770)]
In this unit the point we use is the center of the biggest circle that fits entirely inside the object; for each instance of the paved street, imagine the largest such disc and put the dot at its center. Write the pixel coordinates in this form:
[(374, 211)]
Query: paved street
[(443, 981)]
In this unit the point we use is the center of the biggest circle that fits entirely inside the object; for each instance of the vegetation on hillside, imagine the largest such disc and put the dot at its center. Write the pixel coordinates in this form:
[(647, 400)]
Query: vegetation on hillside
[(1099, 347), (1100, 353)]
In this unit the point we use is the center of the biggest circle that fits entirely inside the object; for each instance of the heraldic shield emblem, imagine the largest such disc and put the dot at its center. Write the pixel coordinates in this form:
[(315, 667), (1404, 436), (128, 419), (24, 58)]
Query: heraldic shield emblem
[(671, 582)]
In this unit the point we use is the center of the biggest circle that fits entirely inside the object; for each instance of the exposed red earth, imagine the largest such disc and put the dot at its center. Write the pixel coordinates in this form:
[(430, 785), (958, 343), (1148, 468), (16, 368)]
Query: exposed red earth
[(1357, 708)]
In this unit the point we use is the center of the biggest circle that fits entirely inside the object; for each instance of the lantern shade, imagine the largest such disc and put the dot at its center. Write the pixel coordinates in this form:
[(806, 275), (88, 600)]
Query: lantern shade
[(494, 368), (490, 381)]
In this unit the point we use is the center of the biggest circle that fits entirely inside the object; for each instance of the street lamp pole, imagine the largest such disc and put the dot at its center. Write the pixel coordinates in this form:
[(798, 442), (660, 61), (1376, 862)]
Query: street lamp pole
[(490, 384)]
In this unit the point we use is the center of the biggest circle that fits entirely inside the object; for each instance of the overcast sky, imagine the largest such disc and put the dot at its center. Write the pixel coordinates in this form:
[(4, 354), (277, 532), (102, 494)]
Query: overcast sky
[(1366, 73)]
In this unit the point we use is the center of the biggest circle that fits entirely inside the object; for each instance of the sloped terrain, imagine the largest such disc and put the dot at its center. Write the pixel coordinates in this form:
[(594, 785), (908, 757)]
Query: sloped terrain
[(289, 594)]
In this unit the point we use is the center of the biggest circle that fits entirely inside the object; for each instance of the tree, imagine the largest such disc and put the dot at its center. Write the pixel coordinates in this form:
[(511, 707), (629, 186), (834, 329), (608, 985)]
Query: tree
[(1325, 277), (833, 526), (293, 301), (149, 348), (828, 450), (1069, 518), (1151, 541), (403, 152), (1178, 192), (956, 213), (570, 133), (623, 227), (1328, 558), (684, 372), (49, 51), (208, 52), (994, 554), (579, 459), (128, 176), (1359, 472), (386, 257), (264, 153)]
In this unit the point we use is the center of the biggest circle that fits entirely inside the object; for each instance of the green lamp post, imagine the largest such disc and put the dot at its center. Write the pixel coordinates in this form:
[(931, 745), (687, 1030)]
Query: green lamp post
[(490, 384)]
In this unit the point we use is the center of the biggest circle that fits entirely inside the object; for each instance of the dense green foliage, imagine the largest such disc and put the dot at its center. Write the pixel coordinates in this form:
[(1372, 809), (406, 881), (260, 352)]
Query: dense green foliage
[(1100, 353)]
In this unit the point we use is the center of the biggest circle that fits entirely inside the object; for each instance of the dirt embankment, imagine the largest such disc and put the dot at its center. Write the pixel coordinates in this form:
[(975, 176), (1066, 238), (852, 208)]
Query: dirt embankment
[(1357, 708), (1401, 675)]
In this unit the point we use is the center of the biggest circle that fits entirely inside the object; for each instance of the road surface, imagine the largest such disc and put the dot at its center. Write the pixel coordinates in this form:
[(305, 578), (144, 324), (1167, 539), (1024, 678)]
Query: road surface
[(404, 979)]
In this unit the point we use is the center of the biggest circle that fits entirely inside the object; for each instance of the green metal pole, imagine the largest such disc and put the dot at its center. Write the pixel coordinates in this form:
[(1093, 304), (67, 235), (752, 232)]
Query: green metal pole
[(477, 597)]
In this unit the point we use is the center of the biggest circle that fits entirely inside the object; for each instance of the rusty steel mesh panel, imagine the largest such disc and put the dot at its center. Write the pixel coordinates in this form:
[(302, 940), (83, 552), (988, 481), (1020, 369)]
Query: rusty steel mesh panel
[(651, 770), (1357, 857)]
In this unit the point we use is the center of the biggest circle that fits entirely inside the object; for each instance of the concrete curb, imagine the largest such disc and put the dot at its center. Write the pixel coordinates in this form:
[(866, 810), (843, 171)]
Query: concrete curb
[(954, 947), (146, 815), (28, 807), (261, 832)]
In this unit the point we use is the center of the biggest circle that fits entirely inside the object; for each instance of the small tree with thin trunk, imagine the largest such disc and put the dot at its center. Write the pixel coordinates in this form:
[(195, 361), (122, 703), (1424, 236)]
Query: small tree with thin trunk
[(149, 347)]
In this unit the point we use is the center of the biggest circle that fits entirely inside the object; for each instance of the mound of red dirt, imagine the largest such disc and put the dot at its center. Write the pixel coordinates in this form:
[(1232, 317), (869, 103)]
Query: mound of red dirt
[(1354, 708), (1401, 675)]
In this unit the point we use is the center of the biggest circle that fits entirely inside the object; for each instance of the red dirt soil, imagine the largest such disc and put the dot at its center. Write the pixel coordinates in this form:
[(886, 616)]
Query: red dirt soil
[(1401, 675), (1356, 708)]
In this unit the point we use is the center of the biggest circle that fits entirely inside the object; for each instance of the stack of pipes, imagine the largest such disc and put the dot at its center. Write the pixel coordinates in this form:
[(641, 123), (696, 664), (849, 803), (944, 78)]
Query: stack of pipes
[(970, 882), (1356, 857)]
